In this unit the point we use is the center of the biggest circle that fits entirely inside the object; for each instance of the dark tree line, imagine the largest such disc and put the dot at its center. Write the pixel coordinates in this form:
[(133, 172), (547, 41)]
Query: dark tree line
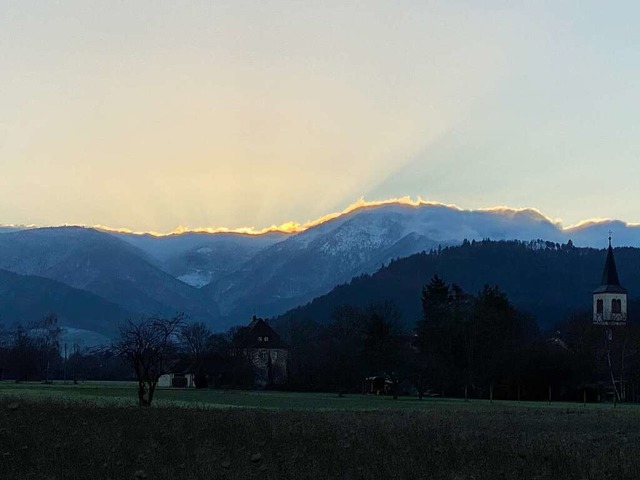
[(355, 344), (30, 352), (472, 343), (145, 349), (462, 342), (465, 345), (35, 352)]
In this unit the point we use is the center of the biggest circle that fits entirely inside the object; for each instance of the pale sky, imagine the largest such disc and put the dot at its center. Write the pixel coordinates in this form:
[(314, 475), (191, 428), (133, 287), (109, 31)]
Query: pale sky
[(150, 115)]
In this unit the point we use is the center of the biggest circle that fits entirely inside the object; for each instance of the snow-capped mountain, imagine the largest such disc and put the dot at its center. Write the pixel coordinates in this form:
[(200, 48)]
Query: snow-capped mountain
[(268, 274), (312, 262)]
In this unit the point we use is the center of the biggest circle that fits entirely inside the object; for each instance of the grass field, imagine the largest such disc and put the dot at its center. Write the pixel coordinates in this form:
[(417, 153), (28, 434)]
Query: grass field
[(124, 394), (95, 431)]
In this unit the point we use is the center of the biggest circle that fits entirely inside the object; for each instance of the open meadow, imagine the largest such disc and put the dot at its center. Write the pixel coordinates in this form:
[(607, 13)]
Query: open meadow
[(95, 431)]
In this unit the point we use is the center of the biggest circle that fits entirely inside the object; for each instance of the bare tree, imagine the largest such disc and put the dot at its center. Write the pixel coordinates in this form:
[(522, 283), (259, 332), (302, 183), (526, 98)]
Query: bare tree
[(195, 339), (150, 346), (23, 353), (47, 334), (5, 346)]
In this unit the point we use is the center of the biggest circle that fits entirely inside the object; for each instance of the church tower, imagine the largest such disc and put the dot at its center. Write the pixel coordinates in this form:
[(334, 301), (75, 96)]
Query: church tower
[(610, 298)]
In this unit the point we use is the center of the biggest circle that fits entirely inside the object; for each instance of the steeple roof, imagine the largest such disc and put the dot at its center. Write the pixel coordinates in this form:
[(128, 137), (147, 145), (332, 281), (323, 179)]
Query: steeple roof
[(610, 282)]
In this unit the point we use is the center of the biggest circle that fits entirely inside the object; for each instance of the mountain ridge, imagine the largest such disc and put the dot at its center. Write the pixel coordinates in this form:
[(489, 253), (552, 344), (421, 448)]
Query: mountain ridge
[(101, 264), (240, 275), (292, 227), (310, 263)]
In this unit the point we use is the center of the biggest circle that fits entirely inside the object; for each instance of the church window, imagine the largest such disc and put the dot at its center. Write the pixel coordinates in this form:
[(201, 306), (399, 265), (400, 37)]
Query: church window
[(599, 306), (266, 339), (616, 305)]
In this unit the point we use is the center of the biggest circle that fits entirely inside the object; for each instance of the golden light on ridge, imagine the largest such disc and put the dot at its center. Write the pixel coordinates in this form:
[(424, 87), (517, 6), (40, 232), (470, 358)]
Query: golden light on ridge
[(292, 227)]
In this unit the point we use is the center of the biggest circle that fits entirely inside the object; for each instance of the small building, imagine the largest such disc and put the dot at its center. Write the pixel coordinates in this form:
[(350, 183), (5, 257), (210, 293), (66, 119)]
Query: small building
[(266, 352), (181, 376), (378, 385), (177, 380)]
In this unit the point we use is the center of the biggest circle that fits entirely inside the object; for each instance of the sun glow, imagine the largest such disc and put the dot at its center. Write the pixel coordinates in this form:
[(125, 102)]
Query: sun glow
[(292, 227)]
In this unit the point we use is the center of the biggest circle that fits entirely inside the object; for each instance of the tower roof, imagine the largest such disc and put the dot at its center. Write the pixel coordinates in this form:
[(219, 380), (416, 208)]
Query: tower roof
[(610, 282), (259, 334)]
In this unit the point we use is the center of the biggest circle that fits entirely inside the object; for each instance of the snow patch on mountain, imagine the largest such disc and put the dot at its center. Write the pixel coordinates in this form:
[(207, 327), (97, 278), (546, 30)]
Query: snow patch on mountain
[(196, 278)]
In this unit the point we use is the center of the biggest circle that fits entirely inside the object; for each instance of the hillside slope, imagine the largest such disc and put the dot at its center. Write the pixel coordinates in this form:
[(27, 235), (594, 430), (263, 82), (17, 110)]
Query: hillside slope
[(25, 299), (99, 263), (547, 282)]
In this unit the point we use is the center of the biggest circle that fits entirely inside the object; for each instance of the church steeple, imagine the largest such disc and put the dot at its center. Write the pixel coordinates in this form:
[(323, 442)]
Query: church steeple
[(610, 282), (610, 298)]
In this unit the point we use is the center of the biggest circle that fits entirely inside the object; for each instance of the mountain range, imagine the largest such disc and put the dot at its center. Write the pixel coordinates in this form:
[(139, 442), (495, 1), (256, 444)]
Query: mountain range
[(224, 278)]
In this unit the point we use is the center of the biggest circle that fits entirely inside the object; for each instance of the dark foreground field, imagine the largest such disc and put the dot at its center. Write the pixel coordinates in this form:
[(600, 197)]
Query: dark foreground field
[(47, 439)]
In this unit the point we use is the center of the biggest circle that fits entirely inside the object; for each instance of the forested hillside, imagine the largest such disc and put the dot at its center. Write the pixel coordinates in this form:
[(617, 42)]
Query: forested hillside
[(547, 280)]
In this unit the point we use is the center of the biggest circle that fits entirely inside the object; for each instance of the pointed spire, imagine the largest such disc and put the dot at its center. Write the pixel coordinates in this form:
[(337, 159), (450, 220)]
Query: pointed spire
[(610, 272), (610, 281)]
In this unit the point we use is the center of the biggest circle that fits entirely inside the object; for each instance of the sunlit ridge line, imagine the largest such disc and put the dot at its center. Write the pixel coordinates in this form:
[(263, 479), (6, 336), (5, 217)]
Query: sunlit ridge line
[(292, 227), (597, 221), (295, 227)]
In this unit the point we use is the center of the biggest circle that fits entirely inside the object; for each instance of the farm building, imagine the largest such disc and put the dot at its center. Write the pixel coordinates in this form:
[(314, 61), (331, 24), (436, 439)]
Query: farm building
[(181, 376), (176, 380)]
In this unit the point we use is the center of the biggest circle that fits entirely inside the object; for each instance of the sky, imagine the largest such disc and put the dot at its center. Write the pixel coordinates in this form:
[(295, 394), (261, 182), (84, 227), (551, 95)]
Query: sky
[(154, 115)]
